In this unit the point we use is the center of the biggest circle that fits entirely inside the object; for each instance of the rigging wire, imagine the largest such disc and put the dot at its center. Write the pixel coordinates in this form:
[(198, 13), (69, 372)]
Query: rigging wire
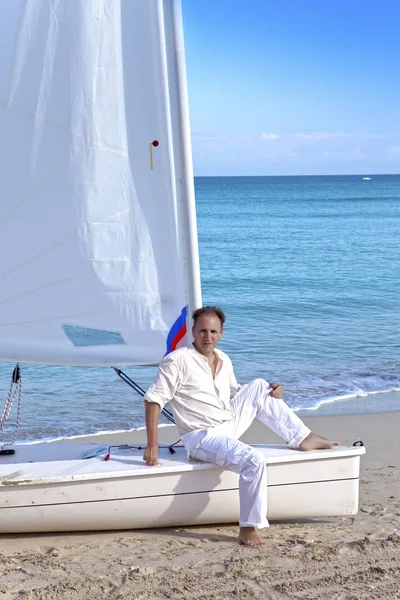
[(139, 390)]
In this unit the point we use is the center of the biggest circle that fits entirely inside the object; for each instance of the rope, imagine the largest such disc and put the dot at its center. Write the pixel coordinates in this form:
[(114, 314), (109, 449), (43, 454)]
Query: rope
[(130, 447), (15, 389)]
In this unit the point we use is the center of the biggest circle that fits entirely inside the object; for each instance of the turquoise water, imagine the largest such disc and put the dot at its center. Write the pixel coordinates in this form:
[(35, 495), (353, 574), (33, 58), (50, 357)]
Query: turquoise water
[(307, 271)]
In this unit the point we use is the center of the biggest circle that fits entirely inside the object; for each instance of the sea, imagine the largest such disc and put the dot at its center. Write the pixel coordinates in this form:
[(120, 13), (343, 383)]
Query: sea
[(307, 271)]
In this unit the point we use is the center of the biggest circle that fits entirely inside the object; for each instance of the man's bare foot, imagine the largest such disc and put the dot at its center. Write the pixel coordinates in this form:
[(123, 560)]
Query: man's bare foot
[(317, 442), (249, 537)]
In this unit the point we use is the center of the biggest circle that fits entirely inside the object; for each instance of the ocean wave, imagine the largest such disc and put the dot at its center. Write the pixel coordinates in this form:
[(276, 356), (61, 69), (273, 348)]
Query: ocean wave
[(348, 401)]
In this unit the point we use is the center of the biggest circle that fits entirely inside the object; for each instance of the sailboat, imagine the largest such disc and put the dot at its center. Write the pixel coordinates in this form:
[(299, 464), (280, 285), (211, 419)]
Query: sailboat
[(99, 266)]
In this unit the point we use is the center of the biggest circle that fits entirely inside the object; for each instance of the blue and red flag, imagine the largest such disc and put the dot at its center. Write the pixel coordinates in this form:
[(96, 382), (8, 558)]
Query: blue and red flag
[(177, 331)]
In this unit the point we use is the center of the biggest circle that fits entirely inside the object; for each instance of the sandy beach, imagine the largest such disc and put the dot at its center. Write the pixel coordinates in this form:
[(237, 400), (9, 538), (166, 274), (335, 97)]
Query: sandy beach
[(347, 558)]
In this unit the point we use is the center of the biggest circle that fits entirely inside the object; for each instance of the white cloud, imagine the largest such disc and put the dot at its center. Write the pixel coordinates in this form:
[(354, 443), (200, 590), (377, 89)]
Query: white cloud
[(308, 136), (270, 136), (321, 135), (344, 153)]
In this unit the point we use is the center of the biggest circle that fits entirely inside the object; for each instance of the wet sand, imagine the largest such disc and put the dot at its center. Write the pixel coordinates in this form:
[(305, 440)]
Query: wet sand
[(347, 558)]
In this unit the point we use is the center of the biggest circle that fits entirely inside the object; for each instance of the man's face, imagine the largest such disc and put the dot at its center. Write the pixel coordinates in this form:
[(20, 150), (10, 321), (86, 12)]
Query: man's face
[(206, 333)]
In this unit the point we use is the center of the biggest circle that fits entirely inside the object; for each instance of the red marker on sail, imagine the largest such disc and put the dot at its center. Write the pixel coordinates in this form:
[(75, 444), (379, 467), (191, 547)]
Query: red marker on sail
[(155, 144)]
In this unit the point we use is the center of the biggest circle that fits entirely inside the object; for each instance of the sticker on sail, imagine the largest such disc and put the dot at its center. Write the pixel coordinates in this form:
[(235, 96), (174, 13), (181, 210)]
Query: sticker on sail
[(177, 332), (86, 336)]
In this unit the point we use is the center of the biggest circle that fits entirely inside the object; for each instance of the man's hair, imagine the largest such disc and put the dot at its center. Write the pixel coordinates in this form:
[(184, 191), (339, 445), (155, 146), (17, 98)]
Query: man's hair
[(209, 310)]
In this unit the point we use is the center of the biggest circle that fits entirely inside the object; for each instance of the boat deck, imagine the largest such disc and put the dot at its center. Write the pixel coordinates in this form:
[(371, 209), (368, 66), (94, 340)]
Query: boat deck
[(40, 463)]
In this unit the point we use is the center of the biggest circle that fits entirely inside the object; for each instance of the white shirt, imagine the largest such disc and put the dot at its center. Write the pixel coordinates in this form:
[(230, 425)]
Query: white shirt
[(197, 399)]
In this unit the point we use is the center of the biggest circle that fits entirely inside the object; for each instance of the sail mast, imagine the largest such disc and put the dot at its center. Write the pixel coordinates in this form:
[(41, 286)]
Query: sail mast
[(187, 184)]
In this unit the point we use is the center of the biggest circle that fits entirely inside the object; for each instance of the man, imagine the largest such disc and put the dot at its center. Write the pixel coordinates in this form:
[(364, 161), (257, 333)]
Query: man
[(212, 411)]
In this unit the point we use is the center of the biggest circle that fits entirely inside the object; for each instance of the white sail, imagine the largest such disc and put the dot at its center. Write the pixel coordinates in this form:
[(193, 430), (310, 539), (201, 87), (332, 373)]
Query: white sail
[(98, 247)]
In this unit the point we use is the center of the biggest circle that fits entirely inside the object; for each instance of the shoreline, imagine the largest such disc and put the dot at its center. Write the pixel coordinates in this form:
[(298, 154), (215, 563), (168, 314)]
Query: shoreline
[(336, 558), (355, 406), (368, 403)]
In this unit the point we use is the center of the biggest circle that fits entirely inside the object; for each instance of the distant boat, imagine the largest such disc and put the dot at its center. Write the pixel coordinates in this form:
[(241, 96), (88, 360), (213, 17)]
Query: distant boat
[(367, 178)]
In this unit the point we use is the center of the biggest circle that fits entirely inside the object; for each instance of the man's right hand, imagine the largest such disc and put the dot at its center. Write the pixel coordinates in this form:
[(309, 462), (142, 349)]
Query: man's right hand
[(151, 455)]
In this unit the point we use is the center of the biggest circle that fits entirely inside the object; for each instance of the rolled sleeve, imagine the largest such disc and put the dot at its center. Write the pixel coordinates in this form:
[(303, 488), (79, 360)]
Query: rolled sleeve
[(166, 383)]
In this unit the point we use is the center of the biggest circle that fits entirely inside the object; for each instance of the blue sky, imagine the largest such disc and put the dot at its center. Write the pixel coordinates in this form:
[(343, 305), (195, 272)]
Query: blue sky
[(294, 87)]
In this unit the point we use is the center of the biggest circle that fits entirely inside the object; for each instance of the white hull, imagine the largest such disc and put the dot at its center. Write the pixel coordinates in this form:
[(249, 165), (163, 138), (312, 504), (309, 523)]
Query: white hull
[(49, 487)]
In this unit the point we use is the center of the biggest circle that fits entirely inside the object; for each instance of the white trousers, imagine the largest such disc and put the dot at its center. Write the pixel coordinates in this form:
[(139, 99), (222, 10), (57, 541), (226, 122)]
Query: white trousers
[(220, 445)]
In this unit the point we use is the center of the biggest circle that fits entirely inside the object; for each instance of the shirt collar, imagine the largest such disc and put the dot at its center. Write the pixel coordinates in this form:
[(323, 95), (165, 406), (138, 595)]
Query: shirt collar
[(216, 350)]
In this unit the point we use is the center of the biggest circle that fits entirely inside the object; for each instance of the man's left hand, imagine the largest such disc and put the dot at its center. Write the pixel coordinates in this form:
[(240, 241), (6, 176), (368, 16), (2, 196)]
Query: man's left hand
[(277, 390)]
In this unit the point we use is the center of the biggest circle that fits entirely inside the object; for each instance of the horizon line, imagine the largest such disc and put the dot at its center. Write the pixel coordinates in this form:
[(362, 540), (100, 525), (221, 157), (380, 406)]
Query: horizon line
[(364, 174)]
